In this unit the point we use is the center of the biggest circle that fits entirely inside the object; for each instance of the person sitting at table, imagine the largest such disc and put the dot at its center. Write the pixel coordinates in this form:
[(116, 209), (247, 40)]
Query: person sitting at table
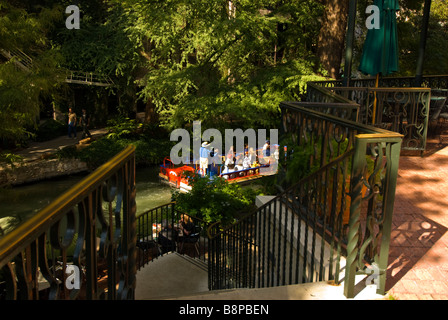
[(186, 225), (172, 234)]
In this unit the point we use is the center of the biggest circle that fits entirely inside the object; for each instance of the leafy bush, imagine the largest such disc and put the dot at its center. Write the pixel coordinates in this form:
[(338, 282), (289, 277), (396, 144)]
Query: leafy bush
[(215, 200), (100, 151), (122, 128), (148, 151), (68, 152), (10, 159), (50, 129)]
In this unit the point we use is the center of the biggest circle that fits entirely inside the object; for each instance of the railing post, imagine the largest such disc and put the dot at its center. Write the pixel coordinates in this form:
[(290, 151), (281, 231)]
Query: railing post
[(393, 158), (358, 168)]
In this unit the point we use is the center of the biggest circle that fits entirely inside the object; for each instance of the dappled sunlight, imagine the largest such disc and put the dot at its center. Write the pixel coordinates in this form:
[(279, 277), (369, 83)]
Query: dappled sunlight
[(419, 246)]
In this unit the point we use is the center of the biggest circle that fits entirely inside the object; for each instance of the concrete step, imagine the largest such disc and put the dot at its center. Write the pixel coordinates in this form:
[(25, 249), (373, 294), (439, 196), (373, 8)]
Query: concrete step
[(179, 277), (306, 291), (171, 275)]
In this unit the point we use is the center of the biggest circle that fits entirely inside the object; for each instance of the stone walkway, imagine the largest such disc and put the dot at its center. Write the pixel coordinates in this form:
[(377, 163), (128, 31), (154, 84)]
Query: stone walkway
[(418, 259), (36, 150)]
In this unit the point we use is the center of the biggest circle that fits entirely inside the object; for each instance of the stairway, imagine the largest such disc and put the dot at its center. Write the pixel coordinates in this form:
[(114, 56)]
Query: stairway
[(172, 275), (25, 63), (179, 277)]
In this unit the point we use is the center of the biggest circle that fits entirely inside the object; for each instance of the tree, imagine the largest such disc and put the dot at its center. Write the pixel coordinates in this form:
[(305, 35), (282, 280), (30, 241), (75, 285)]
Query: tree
[(21, 89), (331, 40), (202, 64)]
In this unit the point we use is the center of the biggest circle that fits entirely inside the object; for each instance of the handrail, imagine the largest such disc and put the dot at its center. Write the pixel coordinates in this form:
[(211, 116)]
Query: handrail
[(24, 234), (76, 227), (148, 239), (323, 209), (400, 109)]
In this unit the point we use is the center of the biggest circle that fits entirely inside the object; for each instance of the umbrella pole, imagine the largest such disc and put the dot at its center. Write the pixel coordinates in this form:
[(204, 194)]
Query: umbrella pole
[(375, 100)]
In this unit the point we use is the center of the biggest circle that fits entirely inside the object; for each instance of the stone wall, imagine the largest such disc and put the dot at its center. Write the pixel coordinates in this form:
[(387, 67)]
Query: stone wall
[(40, 170)]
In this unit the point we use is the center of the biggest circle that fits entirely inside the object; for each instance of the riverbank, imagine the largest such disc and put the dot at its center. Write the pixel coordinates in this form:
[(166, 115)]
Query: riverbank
[(39, 161)]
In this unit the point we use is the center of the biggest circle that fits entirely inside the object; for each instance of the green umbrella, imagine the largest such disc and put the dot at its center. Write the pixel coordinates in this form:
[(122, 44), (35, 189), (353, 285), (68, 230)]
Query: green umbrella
[(380, 52)]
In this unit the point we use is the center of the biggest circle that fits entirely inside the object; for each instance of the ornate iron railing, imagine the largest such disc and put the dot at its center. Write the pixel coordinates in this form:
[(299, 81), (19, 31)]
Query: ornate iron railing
[(157, 222), (435, 82), (82, 245), (399, 109), (342, 209), (403, 110)]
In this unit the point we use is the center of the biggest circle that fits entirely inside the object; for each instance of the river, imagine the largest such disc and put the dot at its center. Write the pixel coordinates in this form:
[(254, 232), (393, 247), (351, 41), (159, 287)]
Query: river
[(20, 202)]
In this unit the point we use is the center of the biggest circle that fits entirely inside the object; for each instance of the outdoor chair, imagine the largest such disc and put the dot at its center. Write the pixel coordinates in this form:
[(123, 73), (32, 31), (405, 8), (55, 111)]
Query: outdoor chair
[(148, 250), (192, 238), (437, 116)]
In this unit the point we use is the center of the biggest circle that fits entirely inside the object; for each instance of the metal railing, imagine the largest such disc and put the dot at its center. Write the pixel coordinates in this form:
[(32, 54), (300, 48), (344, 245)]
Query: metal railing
[(89, 78), (435, 82), (82, 245), (22, 60), (400, 109), (336, 220), (155, 235)]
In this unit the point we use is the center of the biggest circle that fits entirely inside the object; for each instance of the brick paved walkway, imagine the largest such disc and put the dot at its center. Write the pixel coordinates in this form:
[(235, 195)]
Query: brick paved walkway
[(418, 259)]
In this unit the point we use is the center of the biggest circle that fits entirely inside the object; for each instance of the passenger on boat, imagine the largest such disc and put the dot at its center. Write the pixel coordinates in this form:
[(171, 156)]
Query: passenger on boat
[(267, 149), (247, 161), (204, 155), (276, 152), (229, 165), (239, 164), (252, 156), (231, 152), (216, 157)]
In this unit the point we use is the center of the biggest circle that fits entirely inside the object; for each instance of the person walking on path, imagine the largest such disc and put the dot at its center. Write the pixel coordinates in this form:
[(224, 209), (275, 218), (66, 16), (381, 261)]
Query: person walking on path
[(85, 123), (71, 123)]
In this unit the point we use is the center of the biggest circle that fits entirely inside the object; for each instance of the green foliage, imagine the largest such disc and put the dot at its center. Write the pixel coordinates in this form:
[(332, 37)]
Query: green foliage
[(50, 129), (206, 63), (148, 151), (10, 159), (214, 200), (100, 151), (123, 127), (68, 152), (21, 91)]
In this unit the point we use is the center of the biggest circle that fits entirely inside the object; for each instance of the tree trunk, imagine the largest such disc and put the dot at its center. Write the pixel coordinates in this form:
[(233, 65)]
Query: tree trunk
[(332, 36), (151, 115)]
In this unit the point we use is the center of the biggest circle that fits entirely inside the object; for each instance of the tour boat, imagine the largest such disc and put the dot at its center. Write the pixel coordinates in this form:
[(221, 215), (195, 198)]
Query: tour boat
[(179, 177)]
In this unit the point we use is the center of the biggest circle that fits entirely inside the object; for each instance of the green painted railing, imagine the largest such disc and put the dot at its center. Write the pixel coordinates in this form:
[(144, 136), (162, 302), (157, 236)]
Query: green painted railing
[(331, 225), (82, 245), (392, 104)]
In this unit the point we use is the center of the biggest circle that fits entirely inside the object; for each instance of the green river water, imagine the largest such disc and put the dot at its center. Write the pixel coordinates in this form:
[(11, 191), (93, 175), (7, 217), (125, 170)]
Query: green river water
[(20, 202)]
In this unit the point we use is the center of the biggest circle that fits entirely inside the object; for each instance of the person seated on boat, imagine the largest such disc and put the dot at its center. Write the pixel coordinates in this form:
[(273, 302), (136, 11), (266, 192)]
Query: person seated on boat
[(216, 157), (276, 152), (267, 149), (239, 164), (230, 153), (247, 161), (229, 165), (255, 163), (215, 162), (252, 156), (204, 155)]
